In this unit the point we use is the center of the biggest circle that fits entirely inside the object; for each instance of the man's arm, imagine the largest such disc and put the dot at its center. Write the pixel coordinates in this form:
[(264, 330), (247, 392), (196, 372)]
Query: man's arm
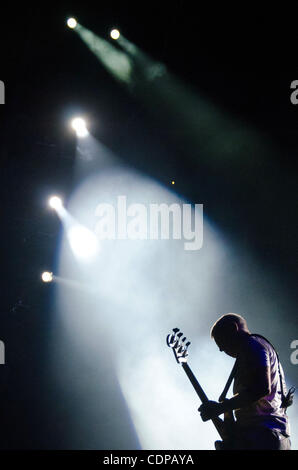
[(260, 387)]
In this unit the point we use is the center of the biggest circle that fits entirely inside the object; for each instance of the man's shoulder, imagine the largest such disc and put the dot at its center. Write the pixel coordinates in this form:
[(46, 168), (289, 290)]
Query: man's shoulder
[(257, 349), (258, 342)]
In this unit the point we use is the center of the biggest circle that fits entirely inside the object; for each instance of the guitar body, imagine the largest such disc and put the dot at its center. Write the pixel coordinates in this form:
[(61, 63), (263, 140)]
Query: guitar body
[(223, 445), (224, 429), (220, 445)]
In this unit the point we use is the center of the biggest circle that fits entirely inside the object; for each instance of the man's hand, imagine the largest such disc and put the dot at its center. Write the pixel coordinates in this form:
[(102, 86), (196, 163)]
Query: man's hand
[(210, 410)]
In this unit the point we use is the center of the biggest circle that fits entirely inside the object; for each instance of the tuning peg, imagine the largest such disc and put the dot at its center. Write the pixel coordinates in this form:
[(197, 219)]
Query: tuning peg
[(188, 344), (180, 334), (171, 340), (176, 330)]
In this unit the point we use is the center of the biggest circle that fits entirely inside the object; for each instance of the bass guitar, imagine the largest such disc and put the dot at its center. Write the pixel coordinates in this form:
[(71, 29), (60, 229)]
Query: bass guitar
[(177, 342)]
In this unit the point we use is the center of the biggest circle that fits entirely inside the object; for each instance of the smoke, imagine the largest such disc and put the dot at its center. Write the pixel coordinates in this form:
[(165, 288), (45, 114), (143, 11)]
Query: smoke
[(139, 291)]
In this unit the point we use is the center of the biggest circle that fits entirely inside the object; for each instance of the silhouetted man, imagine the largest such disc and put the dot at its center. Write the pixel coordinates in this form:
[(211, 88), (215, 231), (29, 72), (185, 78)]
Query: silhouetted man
[(259, 388)]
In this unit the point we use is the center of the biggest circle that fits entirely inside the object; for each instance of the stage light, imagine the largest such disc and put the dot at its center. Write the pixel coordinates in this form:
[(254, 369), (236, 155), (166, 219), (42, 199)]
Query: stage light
[(47, 277), (115, 34), (55, 202), (79, 125), (72, 23)]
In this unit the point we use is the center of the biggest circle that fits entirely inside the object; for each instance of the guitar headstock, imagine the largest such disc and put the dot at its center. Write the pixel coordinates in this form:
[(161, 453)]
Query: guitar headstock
[(177, 342)]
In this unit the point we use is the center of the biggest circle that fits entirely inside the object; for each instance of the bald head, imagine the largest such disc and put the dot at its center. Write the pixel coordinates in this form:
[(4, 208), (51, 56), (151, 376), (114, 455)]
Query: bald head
[(228, 331), (225, 322)]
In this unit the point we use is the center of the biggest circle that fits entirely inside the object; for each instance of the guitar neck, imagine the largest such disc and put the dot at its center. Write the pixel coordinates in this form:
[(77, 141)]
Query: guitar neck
[(200, 392), (218, 423)]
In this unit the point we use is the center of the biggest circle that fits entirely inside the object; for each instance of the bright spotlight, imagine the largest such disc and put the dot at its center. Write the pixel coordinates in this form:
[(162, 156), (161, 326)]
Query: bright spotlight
[(72, 23), (47, 277), (115, 34), (83, 242), (55, 202), (79, 125)]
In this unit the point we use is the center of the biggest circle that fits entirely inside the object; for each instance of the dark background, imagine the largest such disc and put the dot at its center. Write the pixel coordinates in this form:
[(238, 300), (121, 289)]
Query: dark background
[(242, 60)]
